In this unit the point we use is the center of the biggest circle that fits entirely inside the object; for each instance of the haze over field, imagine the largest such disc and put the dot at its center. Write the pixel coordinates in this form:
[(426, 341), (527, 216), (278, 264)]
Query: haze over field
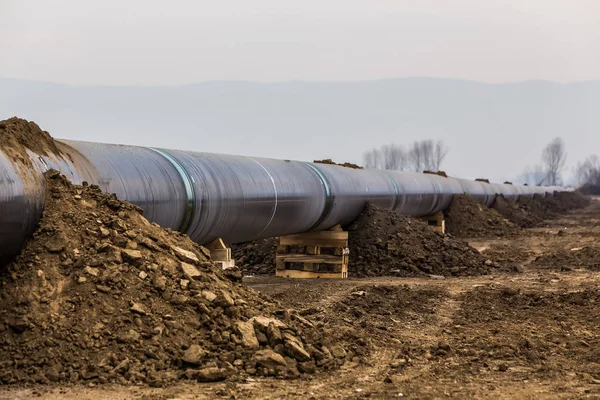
[(311, 79)]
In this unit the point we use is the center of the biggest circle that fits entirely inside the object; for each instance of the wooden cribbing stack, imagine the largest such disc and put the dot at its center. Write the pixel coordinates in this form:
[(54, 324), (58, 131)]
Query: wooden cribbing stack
[(220, 254), (436, 221), (313, 255)]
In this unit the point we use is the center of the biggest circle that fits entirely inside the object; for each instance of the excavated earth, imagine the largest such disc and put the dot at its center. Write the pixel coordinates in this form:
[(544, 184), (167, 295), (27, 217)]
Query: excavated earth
[(100, 295), (532, 334), (384, 243), (467, 218)]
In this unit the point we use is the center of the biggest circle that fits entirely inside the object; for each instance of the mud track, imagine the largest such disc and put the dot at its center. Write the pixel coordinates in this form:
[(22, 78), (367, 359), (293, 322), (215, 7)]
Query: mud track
[(532, 334)]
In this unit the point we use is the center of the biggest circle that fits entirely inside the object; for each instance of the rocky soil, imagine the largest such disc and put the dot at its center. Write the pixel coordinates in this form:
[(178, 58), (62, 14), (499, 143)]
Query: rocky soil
[(468, 219), (100, 295), (384, 243), (256, 257)]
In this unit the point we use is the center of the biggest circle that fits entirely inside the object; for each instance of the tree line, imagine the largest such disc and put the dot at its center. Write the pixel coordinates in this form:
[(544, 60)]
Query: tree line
[(552, 164), (428, 155), (424, 155)]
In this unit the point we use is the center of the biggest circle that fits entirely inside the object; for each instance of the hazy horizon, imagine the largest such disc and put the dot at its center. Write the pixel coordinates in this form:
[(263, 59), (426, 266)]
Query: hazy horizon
[(314, 79)]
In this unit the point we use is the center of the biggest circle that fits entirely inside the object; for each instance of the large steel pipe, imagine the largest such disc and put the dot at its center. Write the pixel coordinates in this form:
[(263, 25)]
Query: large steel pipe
[(236, 198)]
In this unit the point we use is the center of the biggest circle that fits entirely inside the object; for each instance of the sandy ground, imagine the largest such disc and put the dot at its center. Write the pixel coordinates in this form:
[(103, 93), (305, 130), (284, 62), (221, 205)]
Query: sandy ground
[(532, 334)]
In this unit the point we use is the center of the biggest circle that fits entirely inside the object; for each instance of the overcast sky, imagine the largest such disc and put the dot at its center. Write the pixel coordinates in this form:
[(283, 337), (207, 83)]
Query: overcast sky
[(146, 42)]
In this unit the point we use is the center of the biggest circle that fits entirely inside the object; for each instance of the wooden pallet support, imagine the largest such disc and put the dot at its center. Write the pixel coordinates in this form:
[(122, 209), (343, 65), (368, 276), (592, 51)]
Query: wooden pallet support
[(313, 255), (436, 221), (220, 254)]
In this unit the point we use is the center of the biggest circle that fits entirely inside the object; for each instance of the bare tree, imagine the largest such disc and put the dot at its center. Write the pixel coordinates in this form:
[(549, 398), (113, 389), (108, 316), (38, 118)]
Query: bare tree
[(588, 172), (427, 155), (392, 157), (535, 175), (553, 161)]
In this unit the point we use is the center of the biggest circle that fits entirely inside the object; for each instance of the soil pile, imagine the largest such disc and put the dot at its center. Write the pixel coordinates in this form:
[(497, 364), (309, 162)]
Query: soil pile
[(256, 258), (467, 218), (578, 257), (329, 161), (383, 242), (101, 295), (17, 134), (536, 207), (590, 189), (571, 200), (515, 213)]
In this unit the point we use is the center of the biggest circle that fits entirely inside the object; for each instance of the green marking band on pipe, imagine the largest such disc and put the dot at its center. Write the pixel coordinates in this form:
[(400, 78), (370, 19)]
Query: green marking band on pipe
[(190, 207), (329, 198), (395, 203)]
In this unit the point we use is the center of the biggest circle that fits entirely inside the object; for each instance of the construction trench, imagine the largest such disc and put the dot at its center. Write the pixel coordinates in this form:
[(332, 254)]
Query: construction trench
[(93, 293)]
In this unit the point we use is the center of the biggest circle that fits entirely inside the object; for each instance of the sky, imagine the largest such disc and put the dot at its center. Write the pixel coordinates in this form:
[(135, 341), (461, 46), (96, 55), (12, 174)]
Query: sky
[(148, 42)]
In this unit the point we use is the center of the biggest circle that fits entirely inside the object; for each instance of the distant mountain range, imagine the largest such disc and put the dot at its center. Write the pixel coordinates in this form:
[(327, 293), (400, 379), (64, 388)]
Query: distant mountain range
[(493, 130)]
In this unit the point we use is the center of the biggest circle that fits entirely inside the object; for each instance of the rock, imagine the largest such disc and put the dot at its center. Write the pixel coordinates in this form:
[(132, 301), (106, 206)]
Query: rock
[(103, 288), (307, 367), (190, 271), (194, 354), (489, 263), (261, 337), (295, 349), (208, 295), (159, 282), (224, 299), (82, 279), (185, 255), (55, 244), (18, 325), (53, 373), (269, 359), (247, 334), (337, 351), (263, 322), (91, 271), (138, 308), (274, 335), (148, 243), (129, 337), (104, 232), (133, 257), (122, 367), (142, 275), (211, 374), (113, 255)]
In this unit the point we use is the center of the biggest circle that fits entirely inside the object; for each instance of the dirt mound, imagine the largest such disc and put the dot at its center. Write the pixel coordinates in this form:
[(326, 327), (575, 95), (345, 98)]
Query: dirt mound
[(101, 295), (256, 258), (571, 200), (536, 207), (589, 189), (467, 218), (383, 242), (329, 161), (439, 173), (578, 257), (514, 213), (17, 134)]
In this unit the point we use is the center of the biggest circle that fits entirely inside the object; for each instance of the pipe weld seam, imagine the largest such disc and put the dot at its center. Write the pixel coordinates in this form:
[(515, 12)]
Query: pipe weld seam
[(190, 204), (276, 197), (329, 198)]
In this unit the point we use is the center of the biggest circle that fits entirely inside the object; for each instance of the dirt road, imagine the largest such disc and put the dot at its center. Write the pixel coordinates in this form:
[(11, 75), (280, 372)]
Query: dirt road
[(530, 334)]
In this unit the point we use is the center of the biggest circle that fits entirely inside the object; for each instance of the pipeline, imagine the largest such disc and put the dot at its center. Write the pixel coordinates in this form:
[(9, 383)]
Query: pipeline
[(210, 196)]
